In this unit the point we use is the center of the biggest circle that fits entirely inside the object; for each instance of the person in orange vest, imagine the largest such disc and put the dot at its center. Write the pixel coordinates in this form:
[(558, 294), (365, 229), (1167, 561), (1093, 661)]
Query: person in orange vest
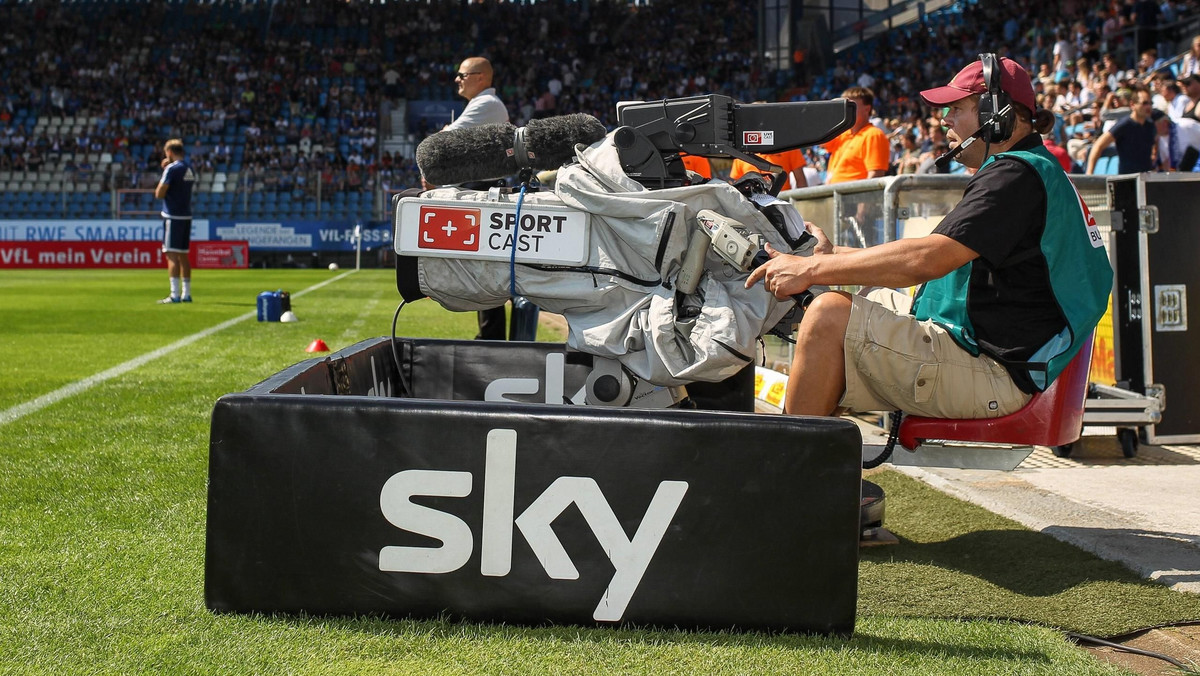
[(698, 164), (861, 151), (790, 161)]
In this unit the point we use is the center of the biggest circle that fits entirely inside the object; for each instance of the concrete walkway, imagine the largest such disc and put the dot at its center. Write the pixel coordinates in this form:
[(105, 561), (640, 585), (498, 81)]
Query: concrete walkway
[(1143, 512)]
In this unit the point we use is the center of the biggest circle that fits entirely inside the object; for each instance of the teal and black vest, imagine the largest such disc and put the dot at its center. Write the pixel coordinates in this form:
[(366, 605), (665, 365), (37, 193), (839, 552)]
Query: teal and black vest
[(1080, 275)]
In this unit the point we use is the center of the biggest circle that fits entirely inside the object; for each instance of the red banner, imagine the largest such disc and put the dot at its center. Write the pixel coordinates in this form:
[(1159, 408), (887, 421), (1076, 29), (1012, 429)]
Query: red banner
[(117, 254), (208, 255)]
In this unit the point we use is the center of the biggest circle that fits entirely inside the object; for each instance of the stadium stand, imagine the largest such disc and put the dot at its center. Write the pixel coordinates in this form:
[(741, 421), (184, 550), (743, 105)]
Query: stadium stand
[(285, 107)]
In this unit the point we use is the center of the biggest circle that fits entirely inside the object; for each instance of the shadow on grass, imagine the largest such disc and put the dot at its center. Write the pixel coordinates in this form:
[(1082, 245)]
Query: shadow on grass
[(1158, 551), (1022, 561), (225, 303), (629, 635)]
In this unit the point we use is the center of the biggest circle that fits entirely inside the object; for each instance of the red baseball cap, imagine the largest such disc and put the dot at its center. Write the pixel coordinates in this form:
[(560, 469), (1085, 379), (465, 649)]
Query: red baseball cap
[(1014, 81)]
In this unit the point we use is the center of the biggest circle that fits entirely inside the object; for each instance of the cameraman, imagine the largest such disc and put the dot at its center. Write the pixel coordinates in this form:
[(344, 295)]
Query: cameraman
[(986, 331)]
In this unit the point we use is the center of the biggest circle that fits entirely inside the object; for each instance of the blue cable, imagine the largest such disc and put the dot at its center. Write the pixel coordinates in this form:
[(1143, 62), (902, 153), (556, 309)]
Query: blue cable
[(512, 256)]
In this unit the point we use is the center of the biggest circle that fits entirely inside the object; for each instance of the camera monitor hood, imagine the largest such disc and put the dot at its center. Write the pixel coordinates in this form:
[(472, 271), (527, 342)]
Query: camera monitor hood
[(653, 133)]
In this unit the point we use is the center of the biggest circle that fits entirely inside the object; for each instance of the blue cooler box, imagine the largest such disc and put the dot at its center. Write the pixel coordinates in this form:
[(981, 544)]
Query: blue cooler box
[(272, 305)]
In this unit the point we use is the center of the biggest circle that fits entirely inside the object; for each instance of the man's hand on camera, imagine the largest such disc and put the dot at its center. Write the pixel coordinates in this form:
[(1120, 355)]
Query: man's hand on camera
[(823, 245), (784, 275)]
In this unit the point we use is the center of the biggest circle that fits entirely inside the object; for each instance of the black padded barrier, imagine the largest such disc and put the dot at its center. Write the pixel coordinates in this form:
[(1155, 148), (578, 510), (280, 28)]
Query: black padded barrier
[(523, 512)]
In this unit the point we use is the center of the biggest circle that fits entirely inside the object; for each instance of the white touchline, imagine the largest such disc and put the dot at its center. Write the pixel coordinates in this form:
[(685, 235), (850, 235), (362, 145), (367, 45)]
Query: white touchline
[(361, 319), (34, 405)]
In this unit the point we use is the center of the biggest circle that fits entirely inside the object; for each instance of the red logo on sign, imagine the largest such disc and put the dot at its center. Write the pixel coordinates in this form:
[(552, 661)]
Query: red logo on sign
[(752, 138), (215, 255), (1087, 213), (453, 228)]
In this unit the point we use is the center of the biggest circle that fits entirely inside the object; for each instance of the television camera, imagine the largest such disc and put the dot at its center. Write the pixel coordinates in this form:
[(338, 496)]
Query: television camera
[(613, 216)]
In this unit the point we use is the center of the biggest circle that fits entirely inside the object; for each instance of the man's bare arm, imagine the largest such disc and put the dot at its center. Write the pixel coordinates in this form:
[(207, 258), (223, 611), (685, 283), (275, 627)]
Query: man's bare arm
[(897, 264)]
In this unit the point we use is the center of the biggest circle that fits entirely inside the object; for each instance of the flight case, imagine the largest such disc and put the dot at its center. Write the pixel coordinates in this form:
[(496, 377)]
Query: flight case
[(1156, 242)]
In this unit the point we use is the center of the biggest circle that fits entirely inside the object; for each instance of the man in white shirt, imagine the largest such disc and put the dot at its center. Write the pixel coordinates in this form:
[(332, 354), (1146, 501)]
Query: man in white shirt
[(391, 83), (474, 79), (1175, 101), (1175, 139)]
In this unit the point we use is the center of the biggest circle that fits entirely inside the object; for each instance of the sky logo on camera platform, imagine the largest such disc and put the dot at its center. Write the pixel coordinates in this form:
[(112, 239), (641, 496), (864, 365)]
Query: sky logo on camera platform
[(629, 556)]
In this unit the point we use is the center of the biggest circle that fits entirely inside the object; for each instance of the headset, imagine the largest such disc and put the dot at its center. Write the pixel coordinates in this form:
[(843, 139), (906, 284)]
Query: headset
[(995, 125)]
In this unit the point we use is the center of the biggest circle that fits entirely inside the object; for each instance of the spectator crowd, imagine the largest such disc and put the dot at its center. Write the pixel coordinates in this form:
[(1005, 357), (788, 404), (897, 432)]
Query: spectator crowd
[(1090, 58), (293, 92)]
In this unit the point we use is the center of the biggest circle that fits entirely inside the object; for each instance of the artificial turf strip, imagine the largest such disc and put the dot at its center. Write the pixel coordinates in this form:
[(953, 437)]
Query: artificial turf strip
[(102, 514), (958, 560)]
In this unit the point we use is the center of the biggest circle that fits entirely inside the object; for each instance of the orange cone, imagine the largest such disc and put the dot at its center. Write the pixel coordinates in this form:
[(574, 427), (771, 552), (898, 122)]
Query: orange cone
[(317, 345)]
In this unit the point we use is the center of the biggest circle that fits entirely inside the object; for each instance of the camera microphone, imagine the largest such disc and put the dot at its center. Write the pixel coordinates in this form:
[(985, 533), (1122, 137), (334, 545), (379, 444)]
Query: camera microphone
[(494, 151)]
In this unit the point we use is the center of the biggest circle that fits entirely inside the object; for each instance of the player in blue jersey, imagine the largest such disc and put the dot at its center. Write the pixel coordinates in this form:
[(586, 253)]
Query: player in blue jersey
[(175, 191)]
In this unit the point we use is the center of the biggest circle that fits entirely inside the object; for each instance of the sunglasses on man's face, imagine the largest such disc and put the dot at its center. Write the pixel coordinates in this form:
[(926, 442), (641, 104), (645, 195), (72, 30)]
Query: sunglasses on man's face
[(462, 76)]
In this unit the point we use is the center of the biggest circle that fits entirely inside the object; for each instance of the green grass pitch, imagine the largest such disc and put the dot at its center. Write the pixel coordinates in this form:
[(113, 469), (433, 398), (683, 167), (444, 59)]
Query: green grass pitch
[(102, 515)]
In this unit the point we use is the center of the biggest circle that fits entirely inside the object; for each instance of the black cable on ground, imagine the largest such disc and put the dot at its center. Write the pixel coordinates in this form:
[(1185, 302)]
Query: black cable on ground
[(1083, 638)]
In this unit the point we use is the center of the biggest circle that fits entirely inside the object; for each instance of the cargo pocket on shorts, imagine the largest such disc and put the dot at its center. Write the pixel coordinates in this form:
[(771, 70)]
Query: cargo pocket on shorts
[(925, 384)]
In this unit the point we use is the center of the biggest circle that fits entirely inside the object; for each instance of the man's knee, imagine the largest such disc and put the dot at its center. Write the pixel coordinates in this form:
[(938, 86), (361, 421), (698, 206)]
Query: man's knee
[(828, 315)]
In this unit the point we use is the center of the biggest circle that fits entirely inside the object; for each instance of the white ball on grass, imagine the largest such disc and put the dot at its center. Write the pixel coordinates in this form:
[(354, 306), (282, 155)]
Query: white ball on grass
[(333, 267)]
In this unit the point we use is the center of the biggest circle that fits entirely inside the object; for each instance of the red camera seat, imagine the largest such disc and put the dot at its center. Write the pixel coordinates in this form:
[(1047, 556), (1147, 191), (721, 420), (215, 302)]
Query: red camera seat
[(1051, 418)]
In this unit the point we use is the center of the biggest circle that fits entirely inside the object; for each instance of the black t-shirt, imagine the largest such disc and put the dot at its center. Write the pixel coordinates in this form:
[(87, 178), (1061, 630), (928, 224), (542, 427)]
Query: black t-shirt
[(1009, 300), (1135, 145)]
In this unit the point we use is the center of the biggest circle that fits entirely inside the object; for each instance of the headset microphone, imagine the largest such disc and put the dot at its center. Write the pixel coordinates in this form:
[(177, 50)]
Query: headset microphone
[(943, 161)]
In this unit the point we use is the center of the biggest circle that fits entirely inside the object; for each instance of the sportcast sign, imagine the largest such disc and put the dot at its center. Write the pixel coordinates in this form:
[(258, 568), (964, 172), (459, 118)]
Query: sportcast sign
[(548, 234)]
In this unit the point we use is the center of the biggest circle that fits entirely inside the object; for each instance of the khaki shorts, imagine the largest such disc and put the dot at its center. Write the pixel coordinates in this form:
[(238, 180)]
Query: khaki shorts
[(895, 362)]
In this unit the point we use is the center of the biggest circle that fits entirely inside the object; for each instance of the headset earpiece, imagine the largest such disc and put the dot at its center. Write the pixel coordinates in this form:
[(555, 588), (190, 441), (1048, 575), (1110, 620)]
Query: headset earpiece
[(995, 128)]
